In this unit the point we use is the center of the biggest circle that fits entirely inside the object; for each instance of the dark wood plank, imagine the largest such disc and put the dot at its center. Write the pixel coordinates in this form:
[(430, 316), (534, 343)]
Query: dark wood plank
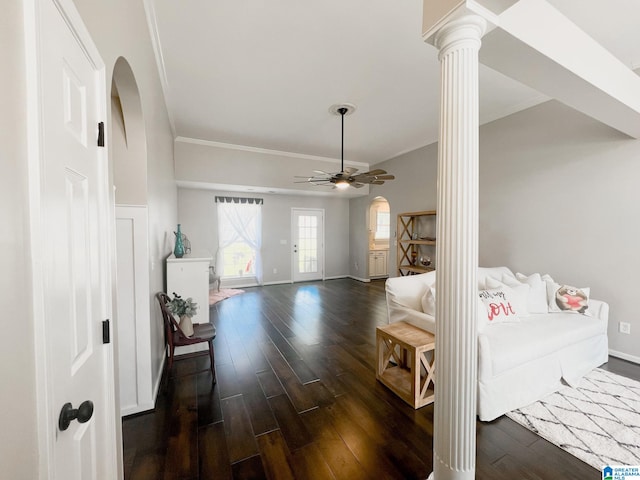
[(209, 409), (214, 457), (183, 436), (270, 383), (300, 397), (275, 456), (258, 408), (333, 449), (249, 469), (307, 462), (241, 442), (291, 426)]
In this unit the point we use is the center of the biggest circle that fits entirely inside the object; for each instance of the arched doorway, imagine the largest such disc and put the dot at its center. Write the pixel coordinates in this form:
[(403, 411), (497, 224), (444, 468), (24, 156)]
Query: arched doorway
[(131, 284), (379, 232)]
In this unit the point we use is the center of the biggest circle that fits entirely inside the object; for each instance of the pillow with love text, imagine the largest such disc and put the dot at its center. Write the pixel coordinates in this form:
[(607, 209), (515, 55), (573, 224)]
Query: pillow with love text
[(501, 305)]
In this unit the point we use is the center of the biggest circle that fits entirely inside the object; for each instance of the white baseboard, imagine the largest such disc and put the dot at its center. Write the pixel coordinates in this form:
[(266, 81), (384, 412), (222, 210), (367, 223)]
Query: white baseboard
[(137, 409), (336, 277), (280, 282), (624, 356), (360, 279)]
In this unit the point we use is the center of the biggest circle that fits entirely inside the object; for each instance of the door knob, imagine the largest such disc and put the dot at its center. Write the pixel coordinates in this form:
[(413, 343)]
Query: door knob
[(83, 414)]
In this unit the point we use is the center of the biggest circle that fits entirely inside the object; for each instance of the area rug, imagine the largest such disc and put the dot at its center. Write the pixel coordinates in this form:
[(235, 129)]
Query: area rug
[(216, 296), (598, 421)]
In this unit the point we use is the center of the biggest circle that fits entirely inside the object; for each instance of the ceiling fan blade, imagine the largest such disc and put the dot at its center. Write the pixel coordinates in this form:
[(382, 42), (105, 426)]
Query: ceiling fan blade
[(377, 171), (357, 184), (385, 177), (349, 170), (378, 182)]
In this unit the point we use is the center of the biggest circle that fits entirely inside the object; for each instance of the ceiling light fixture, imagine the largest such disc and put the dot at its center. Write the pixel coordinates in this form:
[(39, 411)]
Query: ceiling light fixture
[(346, 177)]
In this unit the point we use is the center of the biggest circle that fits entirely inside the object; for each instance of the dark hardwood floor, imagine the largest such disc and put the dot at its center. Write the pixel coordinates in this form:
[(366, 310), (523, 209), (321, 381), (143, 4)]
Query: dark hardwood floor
[(297, 398)]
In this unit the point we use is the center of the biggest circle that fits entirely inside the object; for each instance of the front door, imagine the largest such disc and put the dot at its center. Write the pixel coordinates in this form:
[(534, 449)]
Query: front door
[(308, 244), (74, 248)]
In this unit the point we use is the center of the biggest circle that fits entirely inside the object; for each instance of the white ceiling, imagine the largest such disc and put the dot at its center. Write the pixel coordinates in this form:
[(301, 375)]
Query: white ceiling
[(264, 74)]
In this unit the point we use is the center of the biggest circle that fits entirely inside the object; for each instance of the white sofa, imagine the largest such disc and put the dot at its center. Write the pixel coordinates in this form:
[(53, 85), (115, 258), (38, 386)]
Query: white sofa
[(527, 356)]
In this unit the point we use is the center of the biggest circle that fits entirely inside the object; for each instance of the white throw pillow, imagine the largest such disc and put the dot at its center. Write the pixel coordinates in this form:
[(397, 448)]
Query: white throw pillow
[(429, 301), (537, 299), (547, 278), (565, 298), (519, 292), (500, 304), (429, 306)]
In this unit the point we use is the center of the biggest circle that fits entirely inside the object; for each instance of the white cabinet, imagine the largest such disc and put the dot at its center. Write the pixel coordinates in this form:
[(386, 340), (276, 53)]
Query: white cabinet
[(378, 263), (189, 277)]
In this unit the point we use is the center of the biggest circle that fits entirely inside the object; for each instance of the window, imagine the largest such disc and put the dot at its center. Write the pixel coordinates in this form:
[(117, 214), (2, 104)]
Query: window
[(383, 226), (239, 237)]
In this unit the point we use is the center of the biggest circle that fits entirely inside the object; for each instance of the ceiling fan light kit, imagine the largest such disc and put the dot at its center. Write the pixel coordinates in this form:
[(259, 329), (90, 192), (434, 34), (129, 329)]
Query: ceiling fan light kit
[(346, 177)]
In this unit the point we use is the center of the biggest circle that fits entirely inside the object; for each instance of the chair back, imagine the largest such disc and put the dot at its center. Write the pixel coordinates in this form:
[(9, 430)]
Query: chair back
[(170, 323)]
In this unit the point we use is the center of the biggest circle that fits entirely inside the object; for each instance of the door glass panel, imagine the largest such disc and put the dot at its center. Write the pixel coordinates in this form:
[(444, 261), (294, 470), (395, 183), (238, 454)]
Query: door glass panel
[(308, 244)]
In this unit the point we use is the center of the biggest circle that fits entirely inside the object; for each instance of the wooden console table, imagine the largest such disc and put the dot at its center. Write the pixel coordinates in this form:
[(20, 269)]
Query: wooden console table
[(411, 374)]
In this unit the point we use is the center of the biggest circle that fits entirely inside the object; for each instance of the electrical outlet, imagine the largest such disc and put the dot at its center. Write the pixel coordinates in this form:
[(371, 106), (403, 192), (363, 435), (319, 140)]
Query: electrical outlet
[(624, 327)]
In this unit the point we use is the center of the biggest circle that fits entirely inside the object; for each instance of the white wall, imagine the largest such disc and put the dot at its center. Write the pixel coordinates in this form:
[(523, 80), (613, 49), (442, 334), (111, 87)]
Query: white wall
[(18, 437), (197, 215), (558, 194), (119, 28)]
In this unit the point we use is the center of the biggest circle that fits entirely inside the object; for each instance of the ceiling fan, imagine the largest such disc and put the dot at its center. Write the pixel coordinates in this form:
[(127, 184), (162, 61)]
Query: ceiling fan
[(346, 177)]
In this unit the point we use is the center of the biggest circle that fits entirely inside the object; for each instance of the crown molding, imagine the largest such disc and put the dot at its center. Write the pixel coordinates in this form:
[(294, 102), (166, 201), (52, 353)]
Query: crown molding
[(266, 151), (150, 13)]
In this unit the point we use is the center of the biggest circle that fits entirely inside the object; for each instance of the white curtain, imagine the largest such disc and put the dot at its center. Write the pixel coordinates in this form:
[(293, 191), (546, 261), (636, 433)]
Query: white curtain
[(245, 220)]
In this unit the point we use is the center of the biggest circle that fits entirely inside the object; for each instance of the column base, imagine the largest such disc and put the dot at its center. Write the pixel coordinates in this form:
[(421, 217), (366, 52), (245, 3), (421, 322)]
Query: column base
[(446, 473)]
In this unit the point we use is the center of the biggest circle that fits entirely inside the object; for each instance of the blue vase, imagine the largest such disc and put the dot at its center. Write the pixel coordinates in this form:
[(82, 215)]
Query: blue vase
[(178, 250)]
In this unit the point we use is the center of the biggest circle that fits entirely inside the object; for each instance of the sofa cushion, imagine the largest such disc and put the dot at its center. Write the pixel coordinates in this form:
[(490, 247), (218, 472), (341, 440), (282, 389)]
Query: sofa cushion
[(512, 344)]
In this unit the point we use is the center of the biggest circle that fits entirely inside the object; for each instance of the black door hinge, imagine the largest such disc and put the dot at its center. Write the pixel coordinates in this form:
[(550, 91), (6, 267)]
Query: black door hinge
[(106, 331), (101, 134)]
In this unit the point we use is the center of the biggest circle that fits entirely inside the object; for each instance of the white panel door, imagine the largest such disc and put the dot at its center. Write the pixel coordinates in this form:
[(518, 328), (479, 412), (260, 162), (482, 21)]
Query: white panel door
[(307, 228), (75, 270)]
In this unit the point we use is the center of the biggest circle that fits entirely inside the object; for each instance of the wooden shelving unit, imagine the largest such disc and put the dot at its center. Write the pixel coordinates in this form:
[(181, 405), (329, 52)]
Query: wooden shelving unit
[(411, 240)]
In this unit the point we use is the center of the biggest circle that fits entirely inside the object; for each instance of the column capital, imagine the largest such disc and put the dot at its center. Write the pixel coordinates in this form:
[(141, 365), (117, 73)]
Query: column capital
[(466, 30), (438, 14)]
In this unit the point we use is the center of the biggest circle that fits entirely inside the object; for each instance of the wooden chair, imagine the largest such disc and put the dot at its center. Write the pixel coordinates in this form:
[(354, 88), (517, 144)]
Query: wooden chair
[(174, 337)]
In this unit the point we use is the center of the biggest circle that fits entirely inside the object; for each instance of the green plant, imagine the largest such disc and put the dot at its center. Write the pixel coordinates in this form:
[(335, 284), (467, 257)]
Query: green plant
[(179, 306)]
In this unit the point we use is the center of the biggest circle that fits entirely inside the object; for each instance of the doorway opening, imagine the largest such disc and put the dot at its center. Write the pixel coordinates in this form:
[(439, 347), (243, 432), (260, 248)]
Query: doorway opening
[(379, 234)]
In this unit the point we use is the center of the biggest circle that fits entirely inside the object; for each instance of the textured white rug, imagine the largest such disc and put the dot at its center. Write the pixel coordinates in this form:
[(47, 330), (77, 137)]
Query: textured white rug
[(598, 422)]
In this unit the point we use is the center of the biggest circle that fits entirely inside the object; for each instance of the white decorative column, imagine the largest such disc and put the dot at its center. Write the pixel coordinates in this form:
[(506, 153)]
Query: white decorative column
[(458, 42)]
